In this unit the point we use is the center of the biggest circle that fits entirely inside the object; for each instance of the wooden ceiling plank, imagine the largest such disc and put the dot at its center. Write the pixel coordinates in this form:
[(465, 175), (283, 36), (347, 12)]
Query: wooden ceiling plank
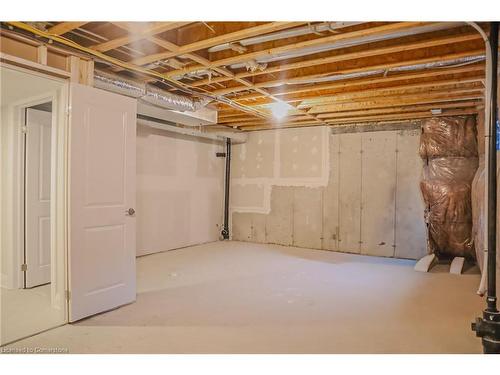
[(64, 27)]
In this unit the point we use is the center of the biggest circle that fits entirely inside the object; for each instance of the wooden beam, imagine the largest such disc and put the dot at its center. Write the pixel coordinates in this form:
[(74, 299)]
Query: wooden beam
[(375, 118), (350, 56), (201, 60), (156, 28), (470, 104), (399, 101), (398, 109), (225, 72), (287, 91), (426, 88), (219, 39), (389, 109), (64, 27), (297, 80), (385, 29)]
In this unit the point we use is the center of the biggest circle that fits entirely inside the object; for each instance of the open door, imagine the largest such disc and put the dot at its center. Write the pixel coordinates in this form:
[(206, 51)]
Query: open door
[(37, 197), (101, 201)]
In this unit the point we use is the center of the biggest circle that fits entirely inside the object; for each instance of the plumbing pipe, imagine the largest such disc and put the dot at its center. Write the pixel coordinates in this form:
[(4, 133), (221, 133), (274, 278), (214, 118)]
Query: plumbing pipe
[(488, 326), (482, 284), (227, 180), (492, 172), (352, 42), (298, 31)]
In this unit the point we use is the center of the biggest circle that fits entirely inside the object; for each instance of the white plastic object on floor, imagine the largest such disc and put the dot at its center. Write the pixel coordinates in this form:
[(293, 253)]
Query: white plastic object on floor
[(457, 265), (426, 263)]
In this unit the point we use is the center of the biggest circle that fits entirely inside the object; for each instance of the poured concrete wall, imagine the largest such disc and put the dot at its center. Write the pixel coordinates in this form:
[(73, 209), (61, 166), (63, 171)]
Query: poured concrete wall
[(355, 192), (179, 190)]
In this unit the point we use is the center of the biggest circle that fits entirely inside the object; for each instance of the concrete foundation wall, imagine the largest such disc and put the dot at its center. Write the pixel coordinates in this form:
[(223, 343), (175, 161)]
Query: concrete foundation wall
[(180, 190), (356, 192)]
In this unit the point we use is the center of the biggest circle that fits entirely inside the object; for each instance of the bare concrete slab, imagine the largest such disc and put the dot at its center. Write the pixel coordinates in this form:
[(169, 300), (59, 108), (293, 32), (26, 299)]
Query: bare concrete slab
[(235, 297)]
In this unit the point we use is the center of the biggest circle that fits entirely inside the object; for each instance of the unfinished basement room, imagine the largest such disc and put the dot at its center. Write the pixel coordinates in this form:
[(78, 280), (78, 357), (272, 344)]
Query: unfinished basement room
[(249, 187)]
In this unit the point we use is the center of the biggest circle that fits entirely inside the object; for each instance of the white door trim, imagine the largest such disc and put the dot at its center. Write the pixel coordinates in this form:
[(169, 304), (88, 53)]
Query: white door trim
[(13, 203)]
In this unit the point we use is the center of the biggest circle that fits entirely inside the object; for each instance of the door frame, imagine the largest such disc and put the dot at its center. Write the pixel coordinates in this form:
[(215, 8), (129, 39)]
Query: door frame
[(13, 198)]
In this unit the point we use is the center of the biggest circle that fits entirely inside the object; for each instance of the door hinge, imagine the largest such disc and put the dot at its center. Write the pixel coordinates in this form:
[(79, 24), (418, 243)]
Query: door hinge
[(24, 267), (68, 294)]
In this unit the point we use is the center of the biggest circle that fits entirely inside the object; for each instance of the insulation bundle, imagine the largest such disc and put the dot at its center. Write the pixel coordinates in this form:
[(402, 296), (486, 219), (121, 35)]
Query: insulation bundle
[(448, 136), (449, 147)]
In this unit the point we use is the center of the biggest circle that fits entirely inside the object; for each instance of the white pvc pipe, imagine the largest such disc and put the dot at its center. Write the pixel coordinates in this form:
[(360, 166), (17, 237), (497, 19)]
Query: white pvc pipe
[(484, 276)]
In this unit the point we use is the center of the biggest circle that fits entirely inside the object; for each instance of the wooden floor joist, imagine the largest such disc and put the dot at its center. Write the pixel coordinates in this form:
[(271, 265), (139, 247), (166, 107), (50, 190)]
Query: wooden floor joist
[(405, 69)]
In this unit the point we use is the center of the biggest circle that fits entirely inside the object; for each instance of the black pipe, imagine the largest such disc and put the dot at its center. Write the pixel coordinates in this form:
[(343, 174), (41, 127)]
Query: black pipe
[(492, 176), (488, 327), (225, 230)]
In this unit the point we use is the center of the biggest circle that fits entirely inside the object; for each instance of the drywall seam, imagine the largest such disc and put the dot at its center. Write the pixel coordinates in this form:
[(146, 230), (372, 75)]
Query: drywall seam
[(278, 180)]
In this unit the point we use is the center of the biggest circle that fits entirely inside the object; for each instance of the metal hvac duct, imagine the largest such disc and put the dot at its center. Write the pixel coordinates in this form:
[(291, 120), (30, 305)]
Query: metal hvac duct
[(146, 93)]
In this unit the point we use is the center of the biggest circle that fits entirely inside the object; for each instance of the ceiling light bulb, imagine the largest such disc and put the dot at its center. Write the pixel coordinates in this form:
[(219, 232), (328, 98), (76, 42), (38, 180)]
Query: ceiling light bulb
[(279, 109)]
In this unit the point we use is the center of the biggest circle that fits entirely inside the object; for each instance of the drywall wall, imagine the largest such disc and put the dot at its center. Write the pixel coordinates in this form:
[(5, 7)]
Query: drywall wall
[(354, 192), (180, 190)]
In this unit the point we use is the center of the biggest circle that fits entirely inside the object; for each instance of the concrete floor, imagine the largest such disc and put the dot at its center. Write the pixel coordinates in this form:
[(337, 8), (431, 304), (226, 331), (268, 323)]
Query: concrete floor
[(23, 311), (235, 297)]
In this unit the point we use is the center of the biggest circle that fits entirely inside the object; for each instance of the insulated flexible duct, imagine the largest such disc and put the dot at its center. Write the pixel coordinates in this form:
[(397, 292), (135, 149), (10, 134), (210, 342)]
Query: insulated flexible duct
[(146, 93)]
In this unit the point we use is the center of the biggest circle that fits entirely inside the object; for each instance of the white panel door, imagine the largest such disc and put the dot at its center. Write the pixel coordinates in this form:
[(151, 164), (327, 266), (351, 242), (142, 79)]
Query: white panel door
[(378, 193), (102, 190), (37, 197)]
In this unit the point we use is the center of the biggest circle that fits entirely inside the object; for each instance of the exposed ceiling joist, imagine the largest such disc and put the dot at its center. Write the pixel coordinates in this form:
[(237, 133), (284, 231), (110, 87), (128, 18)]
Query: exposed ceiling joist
[(350, 56), (155, 28), (65, 27), (308, 43), (206, 43)]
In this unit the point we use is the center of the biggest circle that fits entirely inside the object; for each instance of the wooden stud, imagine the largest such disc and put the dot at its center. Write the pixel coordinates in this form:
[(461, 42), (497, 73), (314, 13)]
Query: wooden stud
[(41, 54)]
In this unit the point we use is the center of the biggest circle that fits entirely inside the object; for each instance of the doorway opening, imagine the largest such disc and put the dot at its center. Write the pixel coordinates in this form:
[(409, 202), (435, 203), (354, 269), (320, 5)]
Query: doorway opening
[(33, 212)]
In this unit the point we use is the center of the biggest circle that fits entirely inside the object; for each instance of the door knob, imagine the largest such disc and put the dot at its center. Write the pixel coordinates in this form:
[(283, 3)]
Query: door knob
[(130, 212)]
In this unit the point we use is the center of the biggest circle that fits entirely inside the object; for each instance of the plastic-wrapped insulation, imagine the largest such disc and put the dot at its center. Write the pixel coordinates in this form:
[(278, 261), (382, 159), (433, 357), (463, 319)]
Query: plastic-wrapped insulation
[(449, 146), (448, 136)]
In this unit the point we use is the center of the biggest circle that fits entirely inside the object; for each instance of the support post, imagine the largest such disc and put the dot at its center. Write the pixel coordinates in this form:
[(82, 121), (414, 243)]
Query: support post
[(227, 180), (488, 327)]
